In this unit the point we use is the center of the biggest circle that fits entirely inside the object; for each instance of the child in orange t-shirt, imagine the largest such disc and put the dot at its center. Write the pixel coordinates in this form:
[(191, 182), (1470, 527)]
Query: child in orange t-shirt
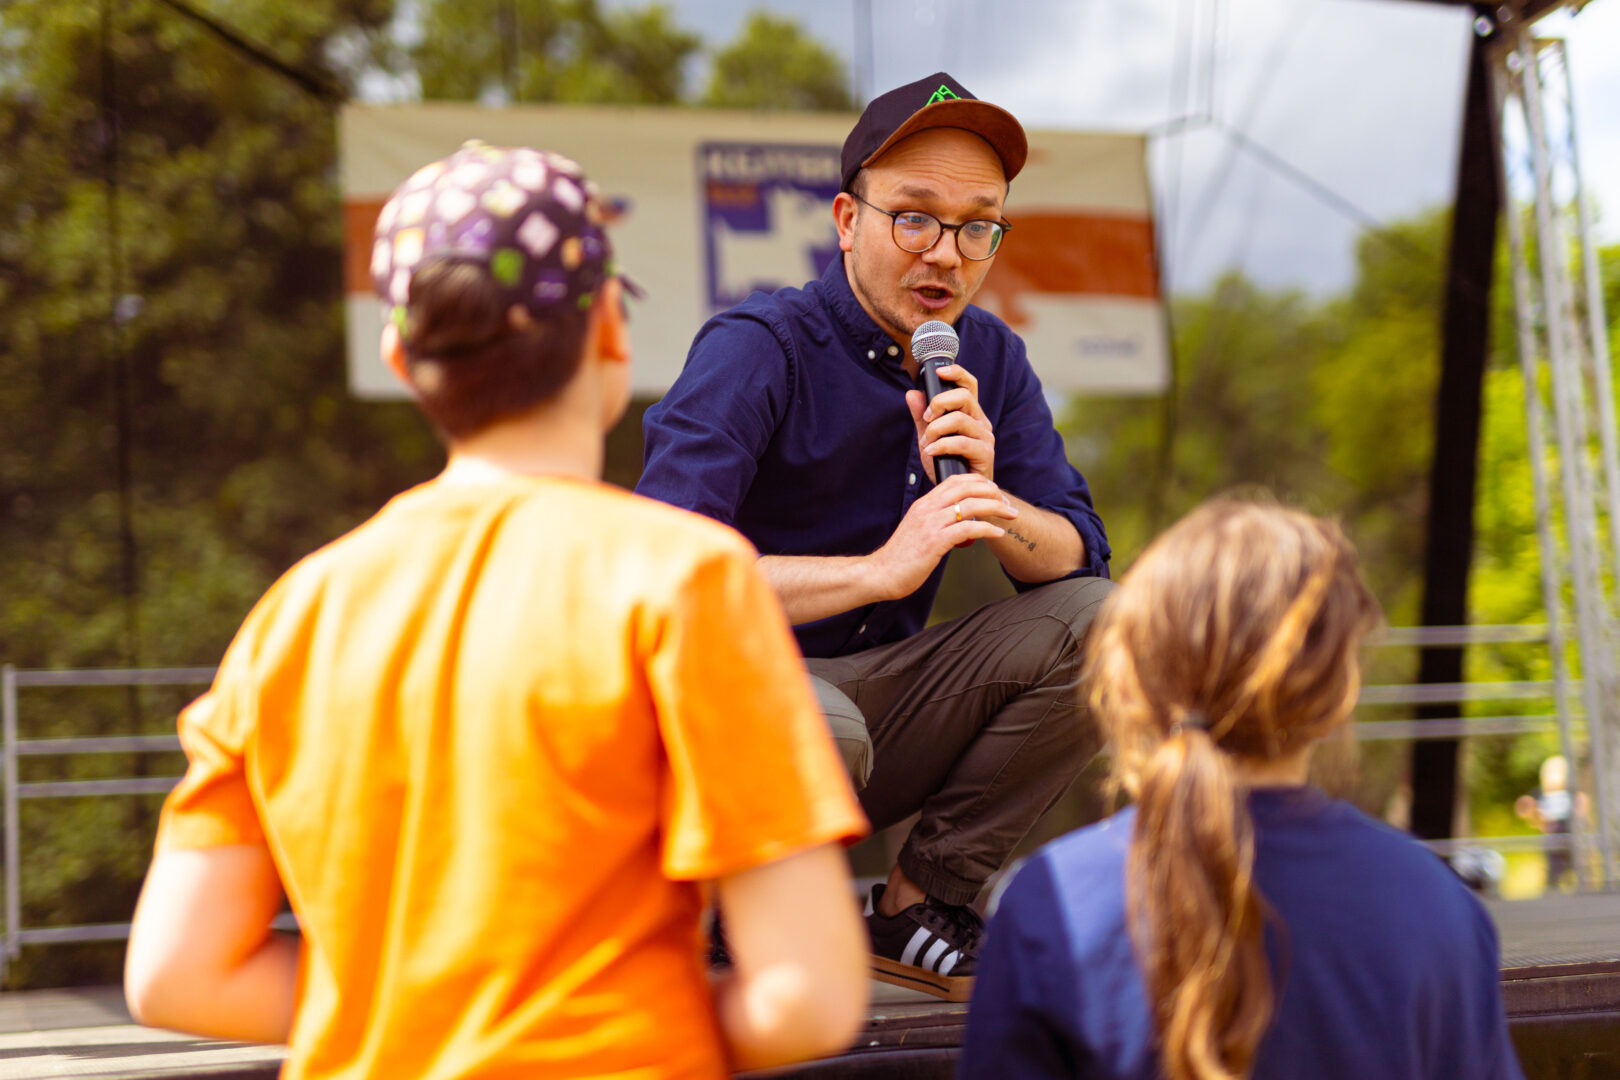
[(492, 742)]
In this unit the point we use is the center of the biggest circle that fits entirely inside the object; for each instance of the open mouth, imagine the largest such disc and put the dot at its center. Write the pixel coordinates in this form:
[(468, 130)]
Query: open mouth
[(932, 296)]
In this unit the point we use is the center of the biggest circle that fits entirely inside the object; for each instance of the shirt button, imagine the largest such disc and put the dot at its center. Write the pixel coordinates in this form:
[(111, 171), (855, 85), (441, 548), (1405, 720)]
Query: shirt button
[(862, 630), (871, 354), (894, 350), (911, 478)]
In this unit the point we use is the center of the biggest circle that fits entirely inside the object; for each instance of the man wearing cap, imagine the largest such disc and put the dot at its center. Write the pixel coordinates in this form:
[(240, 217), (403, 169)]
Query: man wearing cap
[(798, 420)]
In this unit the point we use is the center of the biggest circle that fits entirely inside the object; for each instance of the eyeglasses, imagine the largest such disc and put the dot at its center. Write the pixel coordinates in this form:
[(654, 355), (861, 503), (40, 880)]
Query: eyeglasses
[(917, 232)]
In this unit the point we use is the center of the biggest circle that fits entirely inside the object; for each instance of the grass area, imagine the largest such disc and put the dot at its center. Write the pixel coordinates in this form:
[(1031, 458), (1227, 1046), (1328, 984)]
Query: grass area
[(1526, 873), (1525, 877)]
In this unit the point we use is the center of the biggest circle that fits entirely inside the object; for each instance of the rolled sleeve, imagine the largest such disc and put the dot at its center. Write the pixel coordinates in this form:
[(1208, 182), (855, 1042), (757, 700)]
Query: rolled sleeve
[(1031, 463), (212, 806), (705, 438), (753, 772)]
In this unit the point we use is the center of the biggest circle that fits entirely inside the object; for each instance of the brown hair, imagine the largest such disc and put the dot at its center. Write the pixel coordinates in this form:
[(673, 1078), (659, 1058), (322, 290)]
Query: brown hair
[(1234, 635), (469, 364)]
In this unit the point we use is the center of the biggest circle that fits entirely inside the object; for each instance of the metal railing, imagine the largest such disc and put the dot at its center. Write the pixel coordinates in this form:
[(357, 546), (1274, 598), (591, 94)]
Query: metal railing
[(12, 748), (1561, 690)]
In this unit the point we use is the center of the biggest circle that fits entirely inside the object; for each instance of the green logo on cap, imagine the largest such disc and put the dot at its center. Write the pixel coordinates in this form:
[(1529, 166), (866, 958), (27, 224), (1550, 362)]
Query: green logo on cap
[(944, 93)]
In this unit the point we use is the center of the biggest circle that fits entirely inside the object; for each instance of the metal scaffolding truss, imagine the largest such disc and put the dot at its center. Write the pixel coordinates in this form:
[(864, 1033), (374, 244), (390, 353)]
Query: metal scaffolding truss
[(1564, 355)]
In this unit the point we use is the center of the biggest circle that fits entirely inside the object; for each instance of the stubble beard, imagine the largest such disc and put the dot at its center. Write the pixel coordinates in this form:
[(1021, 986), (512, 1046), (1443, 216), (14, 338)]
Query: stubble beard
[(892, 317)]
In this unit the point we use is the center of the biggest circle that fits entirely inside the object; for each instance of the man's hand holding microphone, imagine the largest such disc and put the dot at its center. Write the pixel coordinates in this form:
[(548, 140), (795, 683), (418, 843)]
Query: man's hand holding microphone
[(959, 451)]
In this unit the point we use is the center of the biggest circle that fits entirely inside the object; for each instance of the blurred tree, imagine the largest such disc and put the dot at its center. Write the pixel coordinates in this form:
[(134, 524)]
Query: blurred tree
[(171, 373), (172, 367), (1328, 404), (774, 64), (1244, 415), (1324, 403), (143, 161), (1374, 395), (551, 51)]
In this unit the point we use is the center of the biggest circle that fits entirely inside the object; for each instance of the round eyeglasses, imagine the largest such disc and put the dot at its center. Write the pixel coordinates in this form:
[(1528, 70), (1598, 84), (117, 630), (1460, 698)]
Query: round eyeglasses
[(916, 231)]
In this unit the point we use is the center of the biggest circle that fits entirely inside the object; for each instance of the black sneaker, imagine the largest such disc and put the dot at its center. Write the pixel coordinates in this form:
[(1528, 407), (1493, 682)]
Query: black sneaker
[(931, 947)]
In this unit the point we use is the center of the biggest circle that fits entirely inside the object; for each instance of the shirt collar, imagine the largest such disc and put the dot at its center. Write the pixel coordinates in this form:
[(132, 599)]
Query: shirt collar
[(870, 338)]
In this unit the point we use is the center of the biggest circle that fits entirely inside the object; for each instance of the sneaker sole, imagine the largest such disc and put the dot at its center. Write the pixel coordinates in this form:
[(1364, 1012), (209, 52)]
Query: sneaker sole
[(951, 988)]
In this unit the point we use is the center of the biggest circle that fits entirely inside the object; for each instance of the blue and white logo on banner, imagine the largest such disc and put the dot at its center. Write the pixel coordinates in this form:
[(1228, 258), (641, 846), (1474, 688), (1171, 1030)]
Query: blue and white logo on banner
[(767, 216)]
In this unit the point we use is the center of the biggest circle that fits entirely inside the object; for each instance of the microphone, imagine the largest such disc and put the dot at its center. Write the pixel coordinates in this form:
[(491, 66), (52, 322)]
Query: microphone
[(934, 345)]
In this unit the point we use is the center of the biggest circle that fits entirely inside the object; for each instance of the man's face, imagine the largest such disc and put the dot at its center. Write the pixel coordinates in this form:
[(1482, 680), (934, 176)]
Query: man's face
[(949, 173)]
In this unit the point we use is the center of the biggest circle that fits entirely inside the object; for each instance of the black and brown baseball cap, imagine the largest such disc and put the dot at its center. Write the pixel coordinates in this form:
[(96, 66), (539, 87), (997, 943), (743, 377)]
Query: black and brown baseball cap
[(938, 101)]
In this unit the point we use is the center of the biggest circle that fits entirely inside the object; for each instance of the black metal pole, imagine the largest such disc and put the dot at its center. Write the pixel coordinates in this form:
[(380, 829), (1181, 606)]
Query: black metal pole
[(507, 31), (864, 48), (1465, 336), (118, 355)]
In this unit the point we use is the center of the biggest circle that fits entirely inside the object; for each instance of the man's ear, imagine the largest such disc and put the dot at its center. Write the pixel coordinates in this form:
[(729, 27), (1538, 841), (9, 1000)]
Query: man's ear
[(392, 347), (844, 210)]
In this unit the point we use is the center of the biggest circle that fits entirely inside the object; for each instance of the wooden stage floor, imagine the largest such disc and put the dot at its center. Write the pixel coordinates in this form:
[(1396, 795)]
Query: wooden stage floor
[(1560, 981)]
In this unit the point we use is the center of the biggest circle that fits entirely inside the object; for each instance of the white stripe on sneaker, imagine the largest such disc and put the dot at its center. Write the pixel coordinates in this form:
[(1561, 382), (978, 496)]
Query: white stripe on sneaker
[(935, 951), (918, 940), (948, 963)]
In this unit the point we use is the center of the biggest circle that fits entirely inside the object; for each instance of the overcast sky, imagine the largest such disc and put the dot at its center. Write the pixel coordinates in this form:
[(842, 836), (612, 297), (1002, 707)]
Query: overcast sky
[(1361, 96)]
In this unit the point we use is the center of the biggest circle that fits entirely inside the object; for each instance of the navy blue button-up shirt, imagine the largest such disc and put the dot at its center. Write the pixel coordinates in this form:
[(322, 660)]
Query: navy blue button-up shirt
[(789, 423)]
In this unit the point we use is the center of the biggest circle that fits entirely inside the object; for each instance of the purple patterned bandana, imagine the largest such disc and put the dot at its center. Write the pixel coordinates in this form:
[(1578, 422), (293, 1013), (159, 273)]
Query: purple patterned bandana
[(528, 216)]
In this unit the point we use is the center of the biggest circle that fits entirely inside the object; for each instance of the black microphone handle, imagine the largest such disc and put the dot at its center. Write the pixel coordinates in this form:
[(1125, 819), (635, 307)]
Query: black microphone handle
[(946, 465)]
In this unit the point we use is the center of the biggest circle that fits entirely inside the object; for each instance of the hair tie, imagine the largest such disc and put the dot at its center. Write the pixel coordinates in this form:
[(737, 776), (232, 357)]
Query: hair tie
[(1191, 720)]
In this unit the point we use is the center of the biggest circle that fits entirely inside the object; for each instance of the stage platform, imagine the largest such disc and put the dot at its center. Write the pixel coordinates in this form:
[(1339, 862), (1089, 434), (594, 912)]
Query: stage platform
[(1560, 982)]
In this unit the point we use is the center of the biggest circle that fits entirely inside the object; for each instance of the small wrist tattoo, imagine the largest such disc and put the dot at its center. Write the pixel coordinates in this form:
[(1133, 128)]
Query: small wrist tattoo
[(1028, 543)]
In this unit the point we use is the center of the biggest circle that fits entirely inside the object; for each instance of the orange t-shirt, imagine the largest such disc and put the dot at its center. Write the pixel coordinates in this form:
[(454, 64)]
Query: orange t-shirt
[(493, 738)]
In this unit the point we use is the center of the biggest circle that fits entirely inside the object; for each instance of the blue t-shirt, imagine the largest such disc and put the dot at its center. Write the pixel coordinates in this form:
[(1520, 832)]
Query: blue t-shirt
[(789, 423), (1388, 964)]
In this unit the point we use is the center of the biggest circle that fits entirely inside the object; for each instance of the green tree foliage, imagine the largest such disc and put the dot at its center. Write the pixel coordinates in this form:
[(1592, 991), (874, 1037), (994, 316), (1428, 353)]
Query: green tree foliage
[(169, 234), (1326, 403), (551, 50), (1329, 405), (246, 447), (773, 64), (1238, 417), (1374, 399), (246, 443), (171, 237)]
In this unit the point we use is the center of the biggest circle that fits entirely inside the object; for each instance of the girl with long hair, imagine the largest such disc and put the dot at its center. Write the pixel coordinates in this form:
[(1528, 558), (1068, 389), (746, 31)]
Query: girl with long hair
[(1235, 922)]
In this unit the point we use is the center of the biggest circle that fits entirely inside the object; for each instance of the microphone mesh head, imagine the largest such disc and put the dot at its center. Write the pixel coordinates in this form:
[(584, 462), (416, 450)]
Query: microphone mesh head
[(934, 338)]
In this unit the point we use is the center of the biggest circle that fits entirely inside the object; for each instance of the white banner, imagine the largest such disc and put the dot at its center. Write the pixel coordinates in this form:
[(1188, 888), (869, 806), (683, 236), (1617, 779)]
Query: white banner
[(722, 203)]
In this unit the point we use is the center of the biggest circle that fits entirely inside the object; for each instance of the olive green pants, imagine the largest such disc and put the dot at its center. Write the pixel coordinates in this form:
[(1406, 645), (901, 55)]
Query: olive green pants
[(977, 724)]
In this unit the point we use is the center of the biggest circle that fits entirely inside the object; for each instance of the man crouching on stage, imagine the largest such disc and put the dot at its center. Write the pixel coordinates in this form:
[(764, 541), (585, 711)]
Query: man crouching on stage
[(800, 419)]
